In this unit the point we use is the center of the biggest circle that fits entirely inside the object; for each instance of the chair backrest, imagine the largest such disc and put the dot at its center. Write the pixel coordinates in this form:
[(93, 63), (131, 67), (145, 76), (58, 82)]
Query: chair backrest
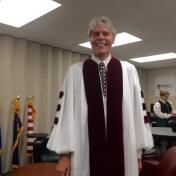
[(167, 164), (149, 117), (151, 108)]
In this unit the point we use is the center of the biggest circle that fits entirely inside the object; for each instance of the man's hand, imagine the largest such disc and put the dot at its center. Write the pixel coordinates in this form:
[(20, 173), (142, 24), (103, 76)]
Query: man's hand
[(64, 165), (139, 165), (173, 114)]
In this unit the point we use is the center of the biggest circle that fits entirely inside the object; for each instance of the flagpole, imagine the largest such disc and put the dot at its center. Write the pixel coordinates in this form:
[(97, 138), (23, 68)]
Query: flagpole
[(16, 99)]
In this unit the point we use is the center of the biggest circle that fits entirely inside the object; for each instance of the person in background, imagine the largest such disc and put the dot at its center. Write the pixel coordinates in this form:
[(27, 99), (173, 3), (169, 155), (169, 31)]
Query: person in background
[(100, 127), (164, 109)]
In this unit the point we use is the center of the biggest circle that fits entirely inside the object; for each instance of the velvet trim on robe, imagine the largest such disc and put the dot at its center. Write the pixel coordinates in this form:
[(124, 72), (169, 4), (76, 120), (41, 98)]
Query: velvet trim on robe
[(106, 153)]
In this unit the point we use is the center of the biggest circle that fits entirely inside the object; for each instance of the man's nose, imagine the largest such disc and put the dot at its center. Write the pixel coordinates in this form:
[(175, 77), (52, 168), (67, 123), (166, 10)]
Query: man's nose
[(101, 36)]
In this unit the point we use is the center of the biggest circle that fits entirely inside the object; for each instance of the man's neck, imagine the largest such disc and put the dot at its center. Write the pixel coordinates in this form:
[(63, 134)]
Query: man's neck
[(102, 57), (163, 100), (106, 61)]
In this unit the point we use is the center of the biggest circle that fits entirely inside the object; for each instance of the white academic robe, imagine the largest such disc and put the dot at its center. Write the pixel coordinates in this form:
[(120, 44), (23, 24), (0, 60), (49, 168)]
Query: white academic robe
[(70, 134)]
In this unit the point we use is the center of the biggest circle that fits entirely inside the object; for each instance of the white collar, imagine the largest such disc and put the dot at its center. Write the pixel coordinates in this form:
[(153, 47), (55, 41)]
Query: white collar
[(106, 61), (163, 101)]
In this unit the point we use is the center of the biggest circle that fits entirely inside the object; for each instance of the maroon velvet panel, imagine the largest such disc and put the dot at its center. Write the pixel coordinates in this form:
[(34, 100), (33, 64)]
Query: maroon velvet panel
[(115, 149), (106, 152)]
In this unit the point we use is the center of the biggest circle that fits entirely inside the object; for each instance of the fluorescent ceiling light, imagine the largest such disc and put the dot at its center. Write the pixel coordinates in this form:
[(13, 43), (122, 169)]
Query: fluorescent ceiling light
[(20, 12), (121, 39), (155, 57)]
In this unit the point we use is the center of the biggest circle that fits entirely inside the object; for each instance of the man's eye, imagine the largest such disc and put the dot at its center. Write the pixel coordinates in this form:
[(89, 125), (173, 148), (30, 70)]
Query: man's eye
[(95, 34), (107, 33)]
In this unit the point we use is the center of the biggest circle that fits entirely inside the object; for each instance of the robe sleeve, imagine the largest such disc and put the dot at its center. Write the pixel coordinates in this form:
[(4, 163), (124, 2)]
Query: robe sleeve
[(61, 138), (144, 139)]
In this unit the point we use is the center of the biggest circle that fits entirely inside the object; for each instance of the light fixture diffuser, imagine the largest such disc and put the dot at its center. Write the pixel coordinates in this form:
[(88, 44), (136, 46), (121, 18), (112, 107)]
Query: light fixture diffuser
[(155, 57), (20, 12), (121, 39)]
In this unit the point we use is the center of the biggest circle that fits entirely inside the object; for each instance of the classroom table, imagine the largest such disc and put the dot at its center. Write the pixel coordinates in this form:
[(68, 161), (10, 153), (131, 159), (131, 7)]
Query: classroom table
[(165, 132)]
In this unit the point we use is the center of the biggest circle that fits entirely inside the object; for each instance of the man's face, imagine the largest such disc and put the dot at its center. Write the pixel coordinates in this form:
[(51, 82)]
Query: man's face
[(101, 40), (165, 97)]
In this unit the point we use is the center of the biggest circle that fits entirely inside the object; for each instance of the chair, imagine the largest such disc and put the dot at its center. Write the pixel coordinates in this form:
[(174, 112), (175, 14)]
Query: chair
[(157, 143), (41, 153), (165, 167), (152, 120), (151, 154), (173, 124)]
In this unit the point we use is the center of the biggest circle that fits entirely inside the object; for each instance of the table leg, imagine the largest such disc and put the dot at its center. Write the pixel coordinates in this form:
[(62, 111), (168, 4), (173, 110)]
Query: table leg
[(30, 159), (169, 143), (164, 146)]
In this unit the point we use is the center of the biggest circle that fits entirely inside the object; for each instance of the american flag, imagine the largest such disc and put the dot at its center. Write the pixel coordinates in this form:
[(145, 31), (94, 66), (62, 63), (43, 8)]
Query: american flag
[(17, 129), (30, 128)]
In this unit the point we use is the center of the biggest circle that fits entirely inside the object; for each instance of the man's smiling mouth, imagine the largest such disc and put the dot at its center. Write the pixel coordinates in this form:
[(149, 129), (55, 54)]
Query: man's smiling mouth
[(100, 44)]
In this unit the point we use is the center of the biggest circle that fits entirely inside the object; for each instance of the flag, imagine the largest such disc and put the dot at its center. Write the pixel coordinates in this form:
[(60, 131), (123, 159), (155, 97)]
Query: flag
[(30, 128), (0, 149), (17, 128)]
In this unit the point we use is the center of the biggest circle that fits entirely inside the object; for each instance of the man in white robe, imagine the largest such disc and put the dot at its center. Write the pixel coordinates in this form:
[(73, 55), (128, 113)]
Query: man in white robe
[(110, 143)]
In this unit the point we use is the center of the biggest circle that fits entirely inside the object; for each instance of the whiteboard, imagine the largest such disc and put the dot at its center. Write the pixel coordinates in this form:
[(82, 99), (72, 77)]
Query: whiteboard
[(165, 83)]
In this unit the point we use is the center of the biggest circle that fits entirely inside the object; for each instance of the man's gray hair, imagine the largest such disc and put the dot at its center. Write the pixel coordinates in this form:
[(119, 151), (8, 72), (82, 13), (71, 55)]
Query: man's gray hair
[(103, 21)]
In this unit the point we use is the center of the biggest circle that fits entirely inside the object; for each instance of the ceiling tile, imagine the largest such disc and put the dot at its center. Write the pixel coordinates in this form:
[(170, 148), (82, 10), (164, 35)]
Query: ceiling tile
[(161, 9), (152, 30), (74, 37), (81, 49), (133, 18), (45, 28), (6, 29), (138, 2), (164, 39), (155, 64), (171, 22), (101, 7), (128, 52)]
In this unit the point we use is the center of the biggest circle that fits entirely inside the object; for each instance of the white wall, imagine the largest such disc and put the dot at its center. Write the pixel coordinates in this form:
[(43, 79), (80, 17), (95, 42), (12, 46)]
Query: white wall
[(147, 81), (142, 74), (150, 82)]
